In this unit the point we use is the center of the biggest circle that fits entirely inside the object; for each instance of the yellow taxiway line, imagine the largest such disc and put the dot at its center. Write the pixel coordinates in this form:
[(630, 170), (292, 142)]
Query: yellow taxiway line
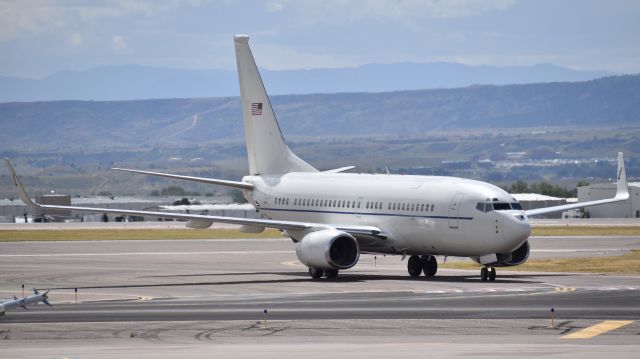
[(598, 329)]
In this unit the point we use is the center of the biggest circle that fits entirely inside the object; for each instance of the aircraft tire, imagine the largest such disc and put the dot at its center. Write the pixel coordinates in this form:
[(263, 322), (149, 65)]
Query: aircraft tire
[(429, 265), (414, 266), (492, 274), (315, 273), (484, 274), (331, 273)]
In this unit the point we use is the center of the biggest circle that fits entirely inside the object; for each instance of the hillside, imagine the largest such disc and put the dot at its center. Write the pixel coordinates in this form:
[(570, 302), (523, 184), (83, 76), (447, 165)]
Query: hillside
[(178, 122), (130, 82)]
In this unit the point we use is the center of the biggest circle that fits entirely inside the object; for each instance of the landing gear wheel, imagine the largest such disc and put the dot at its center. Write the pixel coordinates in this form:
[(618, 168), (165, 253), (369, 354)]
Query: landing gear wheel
[(484, 274), (331, 273), (414, 266), (492, 274), (429, 265), (315, 273)]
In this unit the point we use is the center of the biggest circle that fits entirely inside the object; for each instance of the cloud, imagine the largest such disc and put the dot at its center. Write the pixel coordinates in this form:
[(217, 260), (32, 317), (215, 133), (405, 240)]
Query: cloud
[(118, 43), (75, 39), (275, 7), (345, 10), (33, 17)]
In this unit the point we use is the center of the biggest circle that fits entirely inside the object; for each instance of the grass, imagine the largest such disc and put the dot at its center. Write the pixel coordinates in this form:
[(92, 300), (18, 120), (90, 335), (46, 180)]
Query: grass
[(628, 263), (586, 231), (128, 234)]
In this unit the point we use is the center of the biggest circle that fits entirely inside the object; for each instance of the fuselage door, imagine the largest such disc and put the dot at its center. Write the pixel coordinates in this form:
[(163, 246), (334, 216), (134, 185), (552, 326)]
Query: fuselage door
[(454, 211)]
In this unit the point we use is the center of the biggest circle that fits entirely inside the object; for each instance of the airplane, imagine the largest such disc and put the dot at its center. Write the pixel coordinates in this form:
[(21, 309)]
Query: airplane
[(33, 299), (333, 216)]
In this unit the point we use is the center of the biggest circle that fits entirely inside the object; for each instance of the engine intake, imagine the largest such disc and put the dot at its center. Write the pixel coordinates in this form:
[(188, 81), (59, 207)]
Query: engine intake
[(519, 256), (328, 249)]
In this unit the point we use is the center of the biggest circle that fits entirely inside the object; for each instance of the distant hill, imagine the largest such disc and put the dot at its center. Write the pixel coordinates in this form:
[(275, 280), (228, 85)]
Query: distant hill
[(141, 82), (608, 101)]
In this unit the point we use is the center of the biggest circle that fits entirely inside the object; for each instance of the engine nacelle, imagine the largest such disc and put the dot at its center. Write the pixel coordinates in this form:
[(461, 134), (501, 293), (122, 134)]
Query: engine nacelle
[(517, 257), (328, 249)]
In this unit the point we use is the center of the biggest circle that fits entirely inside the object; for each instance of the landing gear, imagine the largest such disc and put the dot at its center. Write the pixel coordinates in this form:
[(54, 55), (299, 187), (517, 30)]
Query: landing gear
[(414, 266), (417, 265), (429, 265), (488, 274), (331, 273), (484, 274), (317, 273)]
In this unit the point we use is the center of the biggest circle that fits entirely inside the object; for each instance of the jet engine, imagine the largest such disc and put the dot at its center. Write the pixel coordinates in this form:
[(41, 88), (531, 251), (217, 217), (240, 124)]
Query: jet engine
[(517, 257), (328, 249)]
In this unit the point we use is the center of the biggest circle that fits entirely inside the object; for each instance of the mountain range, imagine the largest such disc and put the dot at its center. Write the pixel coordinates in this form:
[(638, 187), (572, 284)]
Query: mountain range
[(606, 102), (128, 82)]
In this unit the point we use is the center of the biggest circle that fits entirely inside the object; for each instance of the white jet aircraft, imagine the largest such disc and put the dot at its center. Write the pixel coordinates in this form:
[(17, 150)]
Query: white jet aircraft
[(333, 216)]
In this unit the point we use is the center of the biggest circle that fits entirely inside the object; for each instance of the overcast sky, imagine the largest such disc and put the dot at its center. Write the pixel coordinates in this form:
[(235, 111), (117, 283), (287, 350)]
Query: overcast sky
[(39, 38)]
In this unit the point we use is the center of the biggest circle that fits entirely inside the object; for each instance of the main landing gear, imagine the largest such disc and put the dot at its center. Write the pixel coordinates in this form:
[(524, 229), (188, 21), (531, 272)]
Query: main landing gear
[(488, 273), (425, 264), (317, 273)]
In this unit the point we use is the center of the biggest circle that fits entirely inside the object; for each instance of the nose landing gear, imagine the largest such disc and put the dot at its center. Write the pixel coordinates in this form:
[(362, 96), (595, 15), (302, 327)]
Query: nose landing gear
[(488, 274)]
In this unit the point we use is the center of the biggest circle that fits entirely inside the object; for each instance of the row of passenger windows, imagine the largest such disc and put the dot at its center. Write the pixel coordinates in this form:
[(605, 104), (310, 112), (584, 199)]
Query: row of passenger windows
[(394, 206)]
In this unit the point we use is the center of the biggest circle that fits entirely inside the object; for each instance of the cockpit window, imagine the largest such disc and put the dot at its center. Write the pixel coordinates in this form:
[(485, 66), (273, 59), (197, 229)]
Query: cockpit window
[(499, 206), (484, 207), (516, 205)]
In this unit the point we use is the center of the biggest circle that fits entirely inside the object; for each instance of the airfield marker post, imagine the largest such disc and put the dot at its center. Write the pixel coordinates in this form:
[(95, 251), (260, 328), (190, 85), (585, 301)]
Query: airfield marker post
[(553, 317), (23, 291), (265, 319), (76, 294)]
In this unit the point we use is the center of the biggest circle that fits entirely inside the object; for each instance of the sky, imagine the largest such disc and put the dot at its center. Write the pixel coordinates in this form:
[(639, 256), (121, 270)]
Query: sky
[(41, 37)]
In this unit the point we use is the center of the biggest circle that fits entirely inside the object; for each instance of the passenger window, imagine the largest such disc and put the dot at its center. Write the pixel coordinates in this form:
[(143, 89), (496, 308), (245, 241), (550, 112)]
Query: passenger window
[(413, 206), (431, 208)]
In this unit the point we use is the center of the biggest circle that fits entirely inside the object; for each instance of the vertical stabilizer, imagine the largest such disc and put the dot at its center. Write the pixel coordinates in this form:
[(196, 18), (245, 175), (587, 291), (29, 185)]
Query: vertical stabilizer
[(267, 151)]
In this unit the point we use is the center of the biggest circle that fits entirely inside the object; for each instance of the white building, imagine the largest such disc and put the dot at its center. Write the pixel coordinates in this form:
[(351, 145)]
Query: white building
[(626, 209)]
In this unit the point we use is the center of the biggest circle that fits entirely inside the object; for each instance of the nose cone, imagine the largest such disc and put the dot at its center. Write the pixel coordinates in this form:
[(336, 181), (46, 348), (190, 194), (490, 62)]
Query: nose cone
[(515, 228)]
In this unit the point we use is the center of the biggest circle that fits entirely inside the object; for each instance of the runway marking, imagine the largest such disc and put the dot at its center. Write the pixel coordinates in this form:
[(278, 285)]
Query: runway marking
[(564, 289), (598, 329), (142, 254)]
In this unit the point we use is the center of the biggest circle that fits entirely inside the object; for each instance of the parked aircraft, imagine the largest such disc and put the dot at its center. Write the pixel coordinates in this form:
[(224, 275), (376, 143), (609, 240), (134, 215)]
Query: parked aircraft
[(333, 216), (23, 303)]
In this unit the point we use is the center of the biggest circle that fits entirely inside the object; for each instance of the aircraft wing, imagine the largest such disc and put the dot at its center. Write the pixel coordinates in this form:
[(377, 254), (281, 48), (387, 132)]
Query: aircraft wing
[(202, 221), (622, 194), (235, 184)]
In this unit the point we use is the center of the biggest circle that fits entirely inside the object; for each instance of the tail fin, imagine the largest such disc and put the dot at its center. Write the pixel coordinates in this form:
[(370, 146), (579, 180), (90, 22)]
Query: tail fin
[(267, 151)]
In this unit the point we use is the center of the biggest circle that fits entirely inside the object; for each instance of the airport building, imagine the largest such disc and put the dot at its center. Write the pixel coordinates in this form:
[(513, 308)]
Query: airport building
[(626, 209)]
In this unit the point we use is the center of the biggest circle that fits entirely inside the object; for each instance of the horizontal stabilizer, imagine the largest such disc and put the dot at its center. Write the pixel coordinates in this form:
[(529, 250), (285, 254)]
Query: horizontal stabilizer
[(338, 170)]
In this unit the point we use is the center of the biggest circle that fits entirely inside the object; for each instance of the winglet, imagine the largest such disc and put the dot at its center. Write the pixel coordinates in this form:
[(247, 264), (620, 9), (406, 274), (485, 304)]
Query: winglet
[(622, 190), (16, 182)]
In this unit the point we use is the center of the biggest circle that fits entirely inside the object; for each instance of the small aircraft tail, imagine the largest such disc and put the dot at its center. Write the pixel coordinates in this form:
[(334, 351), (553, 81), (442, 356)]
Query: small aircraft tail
[(268, 153)]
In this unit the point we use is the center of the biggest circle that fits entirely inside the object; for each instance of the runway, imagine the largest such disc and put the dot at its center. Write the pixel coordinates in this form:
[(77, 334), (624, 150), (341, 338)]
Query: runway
[(171, 292)]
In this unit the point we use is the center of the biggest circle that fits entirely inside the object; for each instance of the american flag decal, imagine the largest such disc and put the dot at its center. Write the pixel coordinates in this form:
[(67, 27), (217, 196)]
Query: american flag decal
[(256, 109)]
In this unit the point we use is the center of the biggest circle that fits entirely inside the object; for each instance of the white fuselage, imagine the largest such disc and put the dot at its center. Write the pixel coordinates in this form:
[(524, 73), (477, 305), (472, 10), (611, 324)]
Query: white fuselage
[(418, 214)]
